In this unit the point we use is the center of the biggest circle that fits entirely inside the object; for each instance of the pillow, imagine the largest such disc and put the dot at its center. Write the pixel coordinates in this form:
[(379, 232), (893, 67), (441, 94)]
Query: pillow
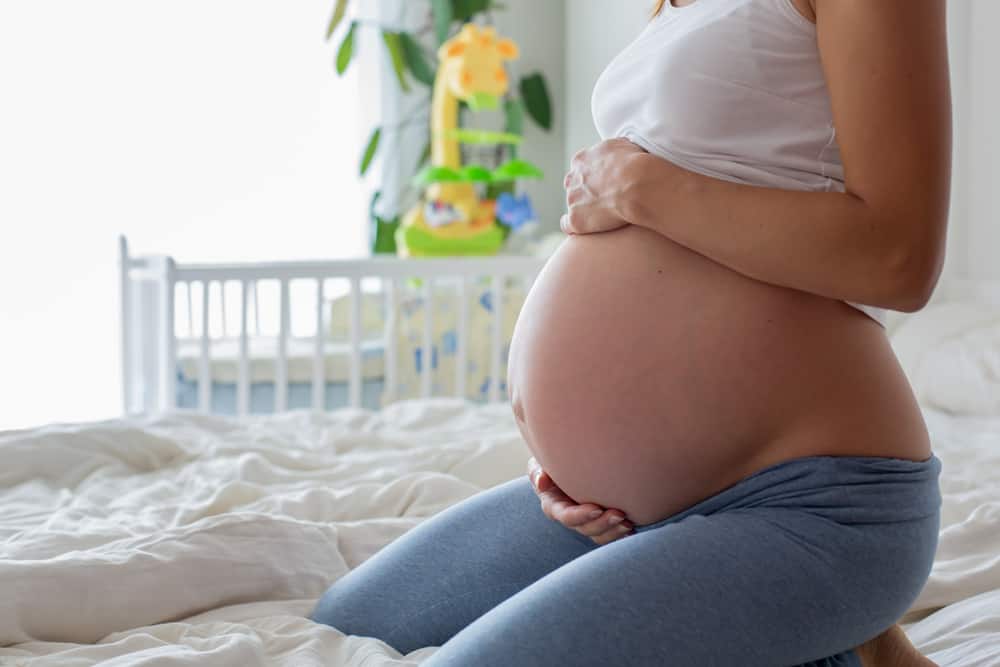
[(950, 353)]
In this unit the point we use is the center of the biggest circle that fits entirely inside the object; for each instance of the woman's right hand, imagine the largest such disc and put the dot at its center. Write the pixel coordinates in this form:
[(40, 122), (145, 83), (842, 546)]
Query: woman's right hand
[(597, 523)]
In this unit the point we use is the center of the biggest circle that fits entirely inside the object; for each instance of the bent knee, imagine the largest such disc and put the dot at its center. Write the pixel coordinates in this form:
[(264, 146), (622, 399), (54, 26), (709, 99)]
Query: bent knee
[(352, 613)]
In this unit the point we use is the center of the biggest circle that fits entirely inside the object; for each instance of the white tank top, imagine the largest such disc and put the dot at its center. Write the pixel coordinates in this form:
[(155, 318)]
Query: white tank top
[(732, 89)]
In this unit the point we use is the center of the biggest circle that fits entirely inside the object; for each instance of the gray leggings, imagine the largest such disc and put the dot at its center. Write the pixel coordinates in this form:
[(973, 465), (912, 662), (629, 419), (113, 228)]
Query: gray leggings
[(794, 565)]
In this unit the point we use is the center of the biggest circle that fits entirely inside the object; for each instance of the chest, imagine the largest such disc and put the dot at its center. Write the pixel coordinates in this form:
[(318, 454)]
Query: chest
[(714, 64)]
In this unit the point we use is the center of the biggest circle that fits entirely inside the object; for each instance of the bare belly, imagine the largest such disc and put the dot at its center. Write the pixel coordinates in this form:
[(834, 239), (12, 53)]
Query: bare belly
[(646, 377)]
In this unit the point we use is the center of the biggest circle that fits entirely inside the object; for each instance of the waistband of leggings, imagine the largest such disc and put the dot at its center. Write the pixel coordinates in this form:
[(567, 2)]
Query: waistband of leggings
[(846, 489)]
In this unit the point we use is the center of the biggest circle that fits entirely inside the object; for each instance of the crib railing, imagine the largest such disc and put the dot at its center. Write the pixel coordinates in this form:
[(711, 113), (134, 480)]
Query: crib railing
[(151, 287)]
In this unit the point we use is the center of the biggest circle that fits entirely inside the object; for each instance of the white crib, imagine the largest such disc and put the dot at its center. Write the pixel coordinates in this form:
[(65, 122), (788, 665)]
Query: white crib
[(169, 309)]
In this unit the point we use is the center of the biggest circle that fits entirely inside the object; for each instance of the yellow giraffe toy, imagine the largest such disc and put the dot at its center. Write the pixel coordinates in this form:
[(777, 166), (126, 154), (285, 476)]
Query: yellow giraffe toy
[(451, 219)]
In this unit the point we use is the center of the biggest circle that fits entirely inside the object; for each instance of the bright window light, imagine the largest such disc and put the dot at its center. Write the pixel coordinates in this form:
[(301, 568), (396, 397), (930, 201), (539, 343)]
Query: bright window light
[(210, 131)]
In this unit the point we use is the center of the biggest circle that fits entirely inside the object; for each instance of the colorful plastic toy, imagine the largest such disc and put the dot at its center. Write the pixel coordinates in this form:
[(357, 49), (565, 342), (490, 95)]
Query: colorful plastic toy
[(515, 212), (452, 219)]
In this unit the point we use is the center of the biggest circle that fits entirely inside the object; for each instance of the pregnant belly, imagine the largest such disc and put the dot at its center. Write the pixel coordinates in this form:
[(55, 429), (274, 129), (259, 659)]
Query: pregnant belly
[(646, 377)]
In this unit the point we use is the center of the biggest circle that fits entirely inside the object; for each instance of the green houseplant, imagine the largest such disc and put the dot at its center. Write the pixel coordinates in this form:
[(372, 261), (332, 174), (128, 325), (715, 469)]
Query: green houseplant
[(413, 59)]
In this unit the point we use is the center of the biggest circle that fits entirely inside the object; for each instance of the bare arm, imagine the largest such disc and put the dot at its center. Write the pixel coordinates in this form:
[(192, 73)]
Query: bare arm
[(882, 241)]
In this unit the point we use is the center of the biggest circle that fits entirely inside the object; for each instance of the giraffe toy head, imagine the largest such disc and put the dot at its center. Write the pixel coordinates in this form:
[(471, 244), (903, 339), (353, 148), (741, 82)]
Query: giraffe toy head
[(472, 64)]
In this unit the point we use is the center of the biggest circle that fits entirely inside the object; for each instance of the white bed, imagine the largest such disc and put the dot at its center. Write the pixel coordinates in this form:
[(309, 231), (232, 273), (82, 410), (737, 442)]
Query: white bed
[(192, 539)]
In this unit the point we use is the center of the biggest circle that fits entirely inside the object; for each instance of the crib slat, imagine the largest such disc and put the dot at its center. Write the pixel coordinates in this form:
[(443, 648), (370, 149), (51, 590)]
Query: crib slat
[(354, 388), (127, 307), (204, 365), (461, 331), (426, 347), (281, 376), (496, 348), (256, 308), (319, 370), (222, 307), (190, 309), (168, 338), (243, 382), (392, 289)]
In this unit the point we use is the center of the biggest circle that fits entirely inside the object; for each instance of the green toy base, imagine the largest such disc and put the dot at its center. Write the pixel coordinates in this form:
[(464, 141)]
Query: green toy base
[(418, 243)]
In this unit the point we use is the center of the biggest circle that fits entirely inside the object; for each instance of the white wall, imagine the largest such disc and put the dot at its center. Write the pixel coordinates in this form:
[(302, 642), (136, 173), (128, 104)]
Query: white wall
[(959, 32), (539, 27), (597, 30), (982, 158)]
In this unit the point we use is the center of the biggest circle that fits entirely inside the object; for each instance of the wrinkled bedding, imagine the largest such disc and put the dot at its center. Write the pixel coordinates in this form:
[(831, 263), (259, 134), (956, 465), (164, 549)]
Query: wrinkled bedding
[(197, 540)]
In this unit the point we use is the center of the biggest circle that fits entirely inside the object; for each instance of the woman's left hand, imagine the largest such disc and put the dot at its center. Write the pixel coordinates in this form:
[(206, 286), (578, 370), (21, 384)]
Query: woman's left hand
[(599, 524), (598, 185)]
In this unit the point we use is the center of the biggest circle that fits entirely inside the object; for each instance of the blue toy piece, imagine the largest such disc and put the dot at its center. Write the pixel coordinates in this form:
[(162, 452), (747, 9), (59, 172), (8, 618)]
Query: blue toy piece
[(515, 212)]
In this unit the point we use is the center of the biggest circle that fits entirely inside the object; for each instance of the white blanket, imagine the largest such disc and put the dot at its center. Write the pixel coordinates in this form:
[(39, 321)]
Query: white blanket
[(193, 540), (950, 352)]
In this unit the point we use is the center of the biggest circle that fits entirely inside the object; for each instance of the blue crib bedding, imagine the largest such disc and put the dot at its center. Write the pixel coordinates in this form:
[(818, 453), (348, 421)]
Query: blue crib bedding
[(299, 396), (408, 348)]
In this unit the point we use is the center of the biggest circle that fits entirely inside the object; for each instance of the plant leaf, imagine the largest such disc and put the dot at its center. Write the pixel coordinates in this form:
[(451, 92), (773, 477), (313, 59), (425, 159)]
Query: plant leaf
[(535, 94), (415, 60), (514, 120), (392, 42), (464, 10), (514, 116), (346, 50), (369, 154), (443, 17), (385, 235), (339, 10), (496, 188), (425, 156)]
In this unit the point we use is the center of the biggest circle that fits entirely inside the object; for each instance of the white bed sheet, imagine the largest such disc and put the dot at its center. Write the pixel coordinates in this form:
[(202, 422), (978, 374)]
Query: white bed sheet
[(194, 540)]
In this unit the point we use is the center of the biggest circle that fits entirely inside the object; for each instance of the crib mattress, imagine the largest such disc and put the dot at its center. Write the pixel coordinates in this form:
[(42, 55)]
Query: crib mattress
[(299, 395), (407, 341), (195, 540), (262, 355)]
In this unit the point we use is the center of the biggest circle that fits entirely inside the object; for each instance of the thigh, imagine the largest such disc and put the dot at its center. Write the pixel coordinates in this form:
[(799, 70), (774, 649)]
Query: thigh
[(747, 587), (434, 580)]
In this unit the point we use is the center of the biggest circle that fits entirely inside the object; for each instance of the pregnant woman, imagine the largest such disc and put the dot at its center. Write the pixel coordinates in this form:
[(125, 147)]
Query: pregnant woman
[(702, 369)]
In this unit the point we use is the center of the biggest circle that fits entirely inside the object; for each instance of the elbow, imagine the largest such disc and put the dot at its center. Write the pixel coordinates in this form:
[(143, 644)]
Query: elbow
[(913, 276), (913, 299)]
